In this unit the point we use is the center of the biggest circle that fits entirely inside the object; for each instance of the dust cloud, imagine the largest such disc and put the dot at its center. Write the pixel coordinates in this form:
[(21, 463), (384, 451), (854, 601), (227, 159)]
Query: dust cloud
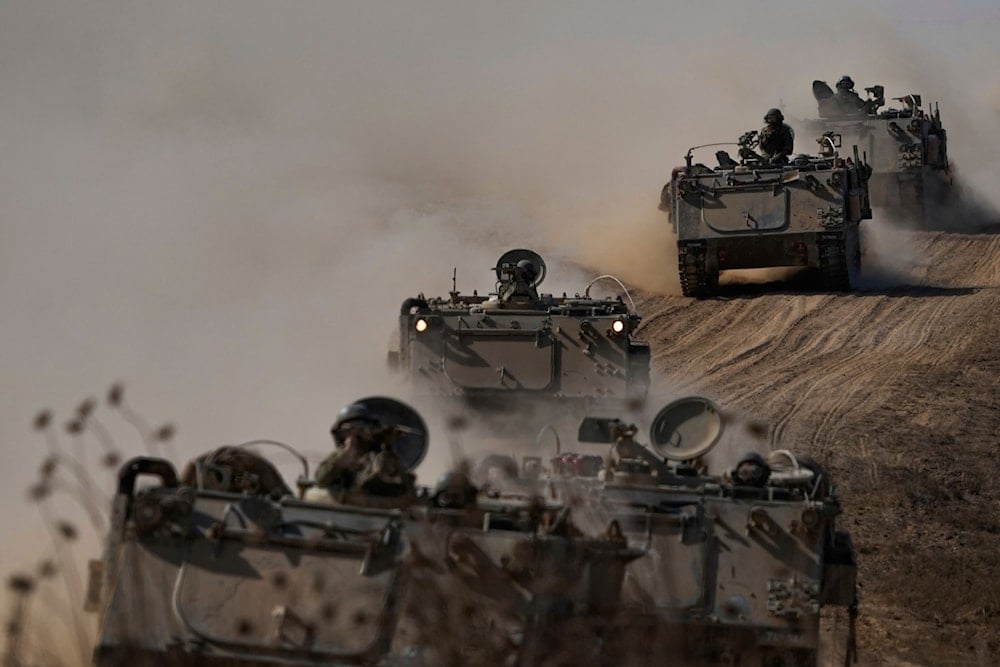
[(225, 204)]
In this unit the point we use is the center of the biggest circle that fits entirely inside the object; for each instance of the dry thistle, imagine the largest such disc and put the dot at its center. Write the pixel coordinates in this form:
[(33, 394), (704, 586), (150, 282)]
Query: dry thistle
[(48, 467), (634, 404), (279, 580), (457, 423), (66, 530), (47, 569), (111, 460), (318, 582), (21, 584), (39, 492), (42, 420), (164, 433), (116, 394), (86, 408), (757, 429), (74, 426)]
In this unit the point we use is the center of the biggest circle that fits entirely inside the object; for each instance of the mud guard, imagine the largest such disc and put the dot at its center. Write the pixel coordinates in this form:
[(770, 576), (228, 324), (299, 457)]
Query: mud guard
[(145, 465)]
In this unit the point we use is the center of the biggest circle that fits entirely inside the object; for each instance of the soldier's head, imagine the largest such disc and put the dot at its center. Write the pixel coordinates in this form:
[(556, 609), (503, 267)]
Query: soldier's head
[(845, 83), (355, 424), (528, 272), (774, 117), (751, 470)]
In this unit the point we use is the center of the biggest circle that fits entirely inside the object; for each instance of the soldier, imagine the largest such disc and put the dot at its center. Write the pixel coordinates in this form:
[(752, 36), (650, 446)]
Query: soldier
[(519, 284), (364, 459), (848, 102), (751, 470), (776, 138)]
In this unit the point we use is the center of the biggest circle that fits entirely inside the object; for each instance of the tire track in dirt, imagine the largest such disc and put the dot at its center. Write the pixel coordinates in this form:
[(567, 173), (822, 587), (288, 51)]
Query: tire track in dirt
[(715, 347), (840, 363), (827, 353), (895, 390), (873, 376), (928, 331)]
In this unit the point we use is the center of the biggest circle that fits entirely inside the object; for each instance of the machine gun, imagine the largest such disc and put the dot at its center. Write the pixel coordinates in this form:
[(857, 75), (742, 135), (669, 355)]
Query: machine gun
[(876, 98), (519, 273), (748, 143)]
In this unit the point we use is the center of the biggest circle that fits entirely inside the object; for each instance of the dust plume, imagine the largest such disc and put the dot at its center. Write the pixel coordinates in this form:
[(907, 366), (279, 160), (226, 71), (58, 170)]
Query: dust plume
[(225, 204), (891, 254)]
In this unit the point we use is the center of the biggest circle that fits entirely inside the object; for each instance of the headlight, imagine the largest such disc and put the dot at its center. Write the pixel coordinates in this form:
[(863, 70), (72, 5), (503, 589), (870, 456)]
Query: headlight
[(420, 325), (618, 326)]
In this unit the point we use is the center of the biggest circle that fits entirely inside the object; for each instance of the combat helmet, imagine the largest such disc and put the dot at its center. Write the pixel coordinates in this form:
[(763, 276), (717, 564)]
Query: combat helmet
[(353, 412), (774, 113), (528, 270), (751, 470), (845, 83)]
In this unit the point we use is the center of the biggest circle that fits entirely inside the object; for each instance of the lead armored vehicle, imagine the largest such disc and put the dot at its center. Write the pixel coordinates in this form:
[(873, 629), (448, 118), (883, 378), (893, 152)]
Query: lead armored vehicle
[(617, 556), (224, 566), (906, 146), (751, 214), (739, 556), (519, 350)]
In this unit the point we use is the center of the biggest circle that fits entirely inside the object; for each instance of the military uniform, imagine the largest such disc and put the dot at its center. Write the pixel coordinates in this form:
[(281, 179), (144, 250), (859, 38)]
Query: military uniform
[(376, 472), (849, 103), (364, 460), (846, 101), (777, 143), (340, 468)]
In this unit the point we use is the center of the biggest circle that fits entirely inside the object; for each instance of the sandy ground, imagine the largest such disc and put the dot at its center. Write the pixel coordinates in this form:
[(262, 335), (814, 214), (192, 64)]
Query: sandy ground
[(896, 389)]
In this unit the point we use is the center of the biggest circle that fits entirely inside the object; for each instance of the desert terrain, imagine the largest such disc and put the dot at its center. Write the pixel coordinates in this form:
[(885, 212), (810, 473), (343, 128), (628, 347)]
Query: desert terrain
[(895, 389), (223, 206)]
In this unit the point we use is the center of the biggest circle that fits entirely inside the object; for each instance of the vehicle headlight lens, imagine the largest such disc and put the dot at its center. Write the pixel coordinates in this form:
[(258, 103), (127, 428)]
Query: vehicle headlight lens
[(420, 325), (618, 326)]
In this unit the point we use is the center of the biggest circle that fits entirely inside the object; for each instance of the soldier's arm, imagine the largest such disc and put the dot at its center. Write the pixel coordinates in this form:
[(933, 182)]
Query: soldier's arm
[(331, 469)]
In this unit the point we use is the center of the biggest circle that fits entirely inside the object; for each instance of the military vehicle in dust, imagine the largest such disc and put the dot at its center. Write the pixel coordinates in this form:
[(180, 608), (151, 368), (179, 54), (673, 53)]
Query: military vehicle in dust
[(613, 557), (737, 560), (907, 147), (224, 566), (516, 349), (752, 214)]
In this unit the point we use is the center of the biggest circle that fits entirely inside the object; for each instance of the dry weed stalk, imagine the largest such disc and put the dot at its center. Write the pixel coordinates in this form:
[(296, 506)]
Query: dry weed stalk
[(67, 471)]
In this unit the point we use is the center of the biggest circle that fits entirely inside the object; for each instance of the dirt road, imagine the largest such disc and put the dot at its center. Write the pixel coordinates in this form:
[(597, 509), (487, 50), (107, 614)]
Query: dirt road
[(896, 389)]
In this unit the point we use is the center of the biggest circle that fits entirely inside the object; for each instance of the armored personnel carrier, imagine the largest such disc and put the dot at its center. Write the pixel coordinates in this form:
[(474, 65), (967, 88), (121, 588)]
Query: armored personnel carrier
[(224, 566), (752, 214), (737, 562), (907, 148), (584, 558), (516, 349)]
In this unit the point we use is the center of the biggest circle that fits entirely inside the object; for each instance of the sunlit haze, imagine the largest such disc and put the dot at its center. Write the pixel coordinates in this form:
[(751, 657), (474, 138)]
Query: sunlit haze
[(223, 204)]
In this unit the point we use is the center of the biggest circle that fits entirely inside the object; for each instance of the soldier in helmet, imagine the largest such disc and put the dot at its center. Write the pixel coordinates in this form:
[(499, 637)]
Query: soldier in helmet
[(518, 284), (750, 470), (848, 102), (776, 138), (364, 459)]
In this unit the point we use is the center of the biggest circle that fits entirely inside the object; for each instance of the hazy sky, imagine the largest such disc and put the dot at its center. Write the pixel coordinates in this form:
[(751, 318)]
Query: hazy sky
[(224, 203)]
